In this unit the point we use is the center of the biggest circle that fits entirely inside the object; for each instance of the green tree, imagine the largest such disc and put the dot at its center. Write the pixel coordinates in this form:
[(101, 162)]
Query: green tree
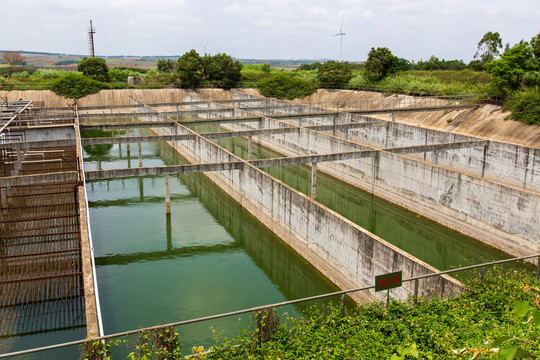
[(535, 43), (286, 86), (402, 65), (222, 69), (190, 69), (334, 74), (380, 63), (489, 46), (94, 67), (475, 65), (508, 72), (75, 86), (166, 65)]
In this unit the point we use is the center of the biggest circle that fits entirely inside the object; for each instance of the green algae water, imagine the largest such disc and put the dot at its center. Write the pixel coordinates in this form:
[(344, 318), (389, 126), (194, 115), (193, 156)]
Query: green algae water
[(208, 257)]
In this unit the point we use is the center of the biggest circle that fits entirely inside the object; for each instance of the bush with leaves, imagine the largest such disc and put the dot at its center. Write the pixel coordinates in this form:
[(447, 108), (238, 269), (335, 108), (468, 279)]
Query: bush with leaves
[(334, 74), (190, 69), (94, 67), (525, 106), (380, 63), (166, 65), (75, 86), (223, 70), (508, 71), (121, 74), (286, 86)]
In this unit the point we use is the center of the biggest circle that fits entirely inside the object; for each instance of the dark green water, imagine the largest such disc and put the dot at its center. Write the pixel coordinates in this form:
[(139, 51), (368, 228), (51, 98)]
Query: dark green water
[(209, 257)]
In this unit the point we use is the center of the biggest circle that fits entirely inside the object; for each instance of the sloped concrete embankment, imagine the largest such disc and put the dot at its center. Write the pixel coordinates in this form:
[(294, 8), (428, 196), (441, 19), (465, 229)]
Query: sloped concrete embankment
[(345, 253)]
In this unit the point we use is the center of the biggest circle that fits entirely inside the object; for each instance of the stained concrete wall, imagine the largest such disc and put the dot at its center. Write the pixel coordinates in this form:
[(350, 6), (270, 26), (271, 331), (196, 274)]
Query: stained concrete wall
[(344, 252), (504, 216), (501, 162), (49, 132)]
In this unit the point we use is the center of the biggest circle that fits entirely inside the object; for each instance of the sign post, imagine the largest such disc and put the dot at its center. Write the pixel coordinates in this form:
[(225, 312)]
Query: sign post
[(387, 282)]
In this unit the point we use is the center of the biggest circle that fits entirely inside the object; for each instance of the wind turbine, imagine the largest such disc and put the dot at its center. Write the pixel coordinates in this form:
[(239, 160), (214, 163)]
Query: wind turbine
[(340, 34)]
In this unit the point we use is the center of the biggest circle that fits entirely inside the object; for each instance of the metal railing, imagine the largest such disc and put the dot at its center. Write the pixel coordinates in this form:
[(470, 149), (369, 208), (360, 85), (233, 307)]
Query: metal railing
[(284, 303)]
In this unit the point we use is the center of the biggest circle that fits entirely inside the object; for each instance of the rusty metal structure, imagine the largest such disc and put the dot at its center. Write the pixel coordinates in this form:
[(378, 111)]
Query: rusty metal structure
[(91, 32), (41, 282)]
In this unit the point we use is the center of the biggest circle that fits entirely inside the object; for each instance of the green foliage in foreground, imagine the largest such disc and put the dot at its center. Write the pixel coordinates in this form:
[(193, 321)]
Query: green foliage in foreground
[(286, 86), (497, 319), (75, 86)]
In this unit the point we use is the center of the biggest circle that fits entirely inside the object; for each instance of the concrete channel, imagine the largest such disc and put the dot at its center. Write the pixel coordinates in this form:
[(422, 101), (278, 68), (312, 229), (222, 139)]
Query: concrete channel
[(486, 189)]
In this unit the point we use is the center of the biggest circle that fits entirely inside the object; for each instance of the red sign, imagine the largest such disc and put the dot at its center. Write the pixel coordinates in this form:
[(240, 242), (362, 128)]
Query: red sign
[(388, 281)]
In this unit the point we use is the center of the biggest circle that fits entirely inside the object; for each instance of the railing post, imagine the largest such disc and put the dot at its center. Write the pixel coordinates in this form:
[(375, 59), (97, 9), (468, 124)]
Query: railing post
[(342, 305), (482, 274), (415, 291), (538, 269)]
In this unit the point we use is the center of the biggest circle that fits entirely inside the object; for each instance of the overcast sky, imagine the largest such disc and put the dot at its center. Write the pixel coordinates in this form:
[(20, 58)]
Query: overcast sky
[(266, 29)]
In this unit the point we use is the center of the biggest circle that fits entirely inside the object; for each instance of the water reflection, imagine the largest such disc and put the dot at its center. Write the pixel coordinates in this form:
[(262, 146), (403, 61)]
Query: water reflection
[(208, 256)]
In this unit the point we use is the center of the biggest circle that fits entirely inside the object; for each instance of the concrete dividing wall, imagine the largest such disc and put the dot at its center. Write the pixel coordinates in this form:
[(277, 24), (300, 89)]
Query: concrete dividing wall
[(49, 132), (503, 216), (501, 162), (347, 254)]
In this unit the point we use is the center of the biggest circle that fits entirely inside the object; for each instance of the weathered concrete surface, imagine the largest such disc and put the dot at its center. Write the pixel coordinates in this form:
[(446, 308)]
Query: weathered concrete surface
[(344, 252), (23, 180), (502, 215), (488, 122), (90, 307)]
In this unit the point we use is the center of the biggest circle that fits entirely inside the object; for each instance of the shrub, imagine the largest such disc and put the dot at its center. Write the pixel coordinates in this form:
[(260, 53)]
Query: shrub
[(286, 86), (121, 74), (334, 74), (21, 75), (525, 106), (49, 73), (95, 68), (75, 86)]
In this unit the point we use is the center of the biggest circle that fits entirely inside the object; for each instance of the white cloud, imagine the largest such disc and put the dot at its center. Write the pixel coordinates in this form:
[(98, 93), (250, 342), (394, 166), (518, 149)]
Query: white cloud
[(412, 29)]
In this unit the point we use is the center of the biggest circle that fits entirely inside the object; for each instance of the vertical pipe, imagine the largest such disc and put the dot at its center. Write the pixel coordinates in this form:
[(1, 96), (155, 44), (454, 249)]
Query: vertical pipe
[(167, 195), (139, 149), (314, 180), (394, 116), (219, 130), (250, 147), (342, 305)]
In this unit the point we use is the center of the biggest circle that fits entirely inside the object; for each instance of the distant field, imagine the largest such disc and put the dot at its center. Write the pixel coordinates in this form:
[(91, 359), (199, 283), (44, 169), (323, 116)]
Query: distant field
[(49, 61), (46, 60)]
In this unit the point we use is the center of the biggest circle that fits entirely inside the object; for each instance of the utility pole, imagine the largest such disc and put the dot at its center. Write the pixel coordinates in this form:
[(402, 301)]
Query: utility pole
[(91, 32)]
